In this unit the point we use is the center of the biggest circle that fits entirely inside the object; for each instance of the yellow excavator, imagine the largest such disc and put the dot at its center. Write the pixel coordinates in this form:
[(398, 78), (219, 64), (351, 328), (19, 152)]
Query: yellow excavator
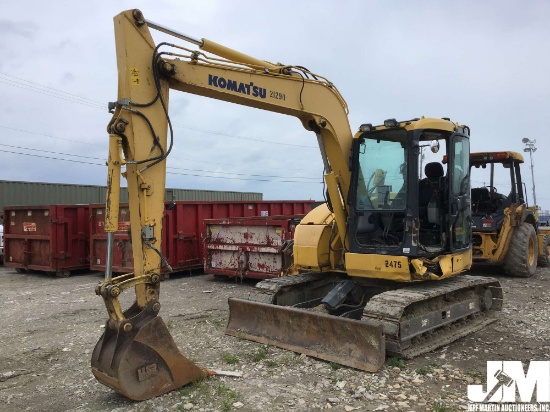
[(377, 261)]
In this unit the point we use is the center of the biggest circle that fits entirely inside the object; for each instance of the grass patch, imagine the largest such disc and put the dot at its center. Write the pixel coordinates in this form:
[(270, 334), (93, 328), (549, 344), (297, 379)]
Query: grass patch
[(207, 391), (440, 407), (230, 359), (335, 366), (194, 389), (474, 373), (424, 370), (259, 354), (228, 396), (292, 360), (217, 322), (396, 362), (270, 363)]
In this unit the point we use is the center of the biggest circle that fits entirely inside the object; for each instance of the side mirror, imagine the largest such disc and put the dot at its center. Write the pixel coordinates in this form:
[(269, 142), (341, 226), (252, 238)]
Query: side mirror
[(434, 146)]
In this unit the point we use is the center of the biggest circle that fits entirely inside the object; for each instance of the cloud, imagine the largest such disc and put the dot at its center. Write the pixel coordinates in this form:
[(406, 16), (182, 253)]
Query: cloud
[(68, 78), (27, 30)]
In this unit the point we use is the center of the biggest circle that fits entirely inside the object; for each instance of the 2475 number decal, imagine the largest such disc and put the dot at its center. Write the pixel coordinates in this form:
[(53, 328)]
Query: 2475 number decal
[(392, 264)]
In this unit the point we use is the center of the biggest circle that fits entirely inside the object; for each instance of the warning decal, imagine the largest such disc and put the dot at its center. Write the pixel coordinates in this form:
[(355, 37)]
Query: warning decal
[(123, 226), (29, 226)]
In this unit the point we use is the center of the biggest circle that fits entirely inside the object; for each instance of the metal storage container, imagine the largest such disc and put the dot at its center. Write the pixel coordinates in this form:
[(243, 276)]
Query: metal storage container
[(183, 230), (259, 247), (52, 238), (123, 260)]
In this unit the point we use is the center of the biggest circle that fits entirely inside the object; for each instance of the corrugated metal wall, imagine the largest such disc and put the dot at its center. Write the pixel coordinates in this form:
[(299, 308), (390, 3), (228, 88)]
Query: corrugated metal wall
[(13, 193), (210, 195)]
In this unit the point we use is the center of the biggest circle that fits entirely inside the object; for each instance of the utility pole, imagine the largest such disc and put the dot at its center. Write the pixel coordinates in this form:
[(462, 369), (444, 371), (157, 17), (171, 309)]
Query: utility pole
[(530, 147)]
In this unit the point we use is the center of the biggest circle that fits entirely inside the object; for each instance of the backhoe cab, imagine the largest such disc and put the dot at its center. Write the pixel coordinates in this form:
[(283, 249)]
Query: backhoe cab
[(505, 228)]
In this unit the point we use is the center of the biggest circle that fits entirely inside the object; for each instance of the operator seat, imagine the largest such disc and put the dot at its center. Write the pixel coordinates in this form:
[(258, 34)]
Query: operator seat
[(429, 187), (481, 200)]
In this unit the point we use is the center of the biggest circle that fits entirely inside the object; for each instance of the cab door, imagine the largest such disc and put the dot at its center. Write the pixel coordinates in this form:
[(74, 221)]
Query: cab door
[(459, 222)]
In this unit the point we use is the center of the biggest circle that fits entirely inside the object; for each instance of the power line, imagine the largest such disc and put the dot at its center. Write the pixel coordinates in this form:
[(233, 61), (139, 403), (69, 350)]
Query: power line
[(45, 92), (256, 180), (53, 137), (173, 158), (59, 94), (172, 173), (168, 167), (199, 129), (243, 174), (49, 157), (48, 151), (104, 146), (19, 79)]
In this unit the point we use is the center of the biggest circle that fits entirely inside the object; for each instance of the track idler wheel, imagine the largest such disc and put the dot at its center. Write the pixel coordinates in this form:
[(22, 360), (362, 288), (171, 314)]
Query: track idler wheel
[(140, 359)]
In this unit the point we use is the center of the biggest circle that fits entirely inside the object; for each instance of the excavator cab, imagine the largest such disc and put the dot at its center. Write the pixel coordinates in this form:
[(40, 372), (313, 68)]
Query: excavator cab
[(393, 210)]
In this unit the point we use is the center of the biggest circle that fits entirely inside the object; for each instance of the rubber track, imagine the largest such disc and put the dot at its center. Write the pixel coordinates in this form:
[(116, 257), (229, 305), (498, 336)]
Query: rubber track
[(389, 308)]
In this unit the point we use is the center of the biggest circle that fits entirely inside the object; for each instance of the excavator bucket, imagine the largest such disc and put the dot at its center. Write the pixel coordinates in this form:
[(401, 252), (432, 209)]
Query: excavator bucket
[(359, 344), (142, 361)]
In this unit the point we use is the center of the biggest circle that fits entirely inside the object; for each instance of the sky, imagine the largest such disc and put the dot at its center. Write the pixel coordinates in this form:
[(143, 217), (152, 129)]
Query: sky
[(483, 64)]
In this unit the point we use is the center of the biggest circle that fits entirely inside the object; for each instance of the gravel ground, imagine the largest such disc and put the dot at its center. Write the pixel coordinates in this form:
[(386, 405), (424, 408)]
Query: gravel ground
[(50, 326)]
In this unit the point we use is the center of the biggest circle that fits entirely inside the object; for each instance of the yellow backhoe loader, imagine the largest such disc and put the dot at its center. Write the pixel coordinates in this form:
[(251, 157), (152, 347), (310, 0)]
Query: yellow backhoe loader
[(505, 229), (377, 261)]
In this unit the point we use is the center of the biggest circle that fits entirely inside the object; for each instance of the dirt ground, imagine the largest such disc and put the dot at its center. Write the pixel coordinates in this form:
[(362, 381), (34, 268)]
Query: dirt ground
[(49, 327)]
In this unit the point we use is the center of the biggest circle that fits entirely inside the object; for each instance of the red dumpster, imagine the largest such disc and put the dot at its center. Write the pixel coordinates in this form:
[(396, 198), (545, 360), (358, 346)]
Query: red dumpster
[(258, 247), (183, 230), (52, 238)]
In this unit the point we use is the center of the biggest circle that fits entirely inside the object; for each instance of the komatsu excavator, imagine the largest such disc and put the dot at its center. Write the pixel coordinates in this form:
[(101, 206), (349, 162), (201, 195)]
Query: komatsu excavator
[(377, 261)]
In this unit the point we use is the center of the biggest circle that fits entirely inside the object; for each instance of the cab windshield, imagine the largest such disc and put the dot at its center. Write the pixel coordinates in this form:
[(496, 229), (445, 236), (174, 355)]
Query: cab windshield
[(381, 181)]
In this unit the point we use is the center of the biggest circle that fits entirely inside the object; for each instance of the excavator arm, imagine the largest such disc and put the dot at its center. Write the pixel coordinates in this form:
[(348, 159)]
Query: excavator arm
[(136, 354)]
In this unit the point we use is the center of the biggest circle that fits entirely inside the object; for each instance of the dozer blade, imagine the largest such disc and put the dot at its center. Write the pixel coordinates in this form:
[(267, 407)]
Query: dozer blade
[(143, 362), (359, 344)]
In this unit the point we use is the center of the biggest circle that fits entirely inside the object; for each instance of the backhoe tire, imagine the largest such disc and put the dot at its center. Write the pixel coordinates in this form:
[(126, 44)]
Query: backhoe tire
[(521, 259), (544, 257)]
